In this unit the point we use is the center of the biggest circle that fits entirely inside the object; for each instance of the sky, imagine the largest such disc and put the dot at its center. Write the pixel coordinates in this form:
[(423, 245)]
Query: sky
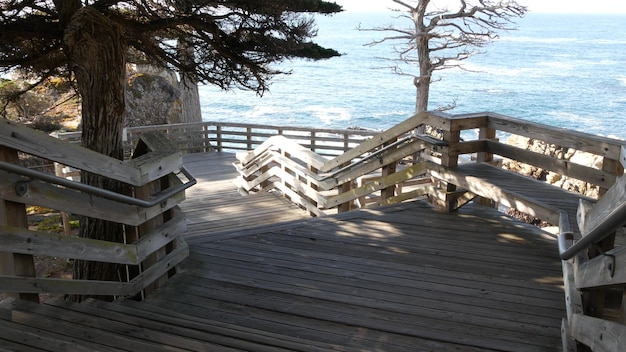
[(535, 6)]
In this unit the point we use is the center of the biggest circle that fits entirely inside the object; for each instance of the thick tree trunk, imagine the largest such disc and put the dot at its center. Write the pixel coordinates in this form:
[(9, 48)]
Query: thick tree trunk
[(96, 51), (188, 84), (191, 99)]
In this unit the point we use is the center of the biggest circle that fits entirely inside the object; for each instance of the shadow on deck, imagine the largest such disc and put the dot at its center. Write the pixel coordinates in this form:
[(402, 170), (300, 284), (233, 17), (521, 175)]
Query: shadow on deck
[(407, 277), (400, 278)]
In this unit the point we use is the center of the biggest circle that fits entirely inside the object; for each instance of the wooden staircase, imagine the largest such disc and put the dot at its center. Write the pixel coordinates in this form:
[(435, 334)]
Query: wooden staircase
[(127, 326)]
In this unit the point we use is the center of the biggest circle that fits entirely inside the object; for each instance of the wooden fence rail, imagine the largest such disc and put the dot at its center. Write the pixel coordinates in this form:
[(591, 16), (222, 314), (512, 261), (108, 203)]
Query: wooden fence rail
[(153, 220), (234, 137), (364, 175)]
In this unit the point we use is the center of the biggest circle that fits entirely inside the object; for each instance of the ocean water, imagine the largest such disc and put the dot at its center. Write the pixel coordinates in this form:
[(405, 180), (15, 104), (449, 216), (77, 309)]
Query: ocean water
[(563, 70)]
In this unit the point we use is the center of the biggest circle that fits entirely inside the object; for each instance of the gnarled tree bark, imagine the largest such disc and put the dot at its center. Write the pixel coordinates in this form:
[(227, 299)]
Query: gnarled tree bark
[(96, 51)]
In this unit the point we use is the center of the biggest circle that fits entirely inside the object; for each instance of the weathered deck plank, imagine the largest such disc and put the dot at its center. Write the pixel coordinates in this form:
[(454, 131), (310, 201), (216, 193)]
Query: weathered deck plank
[(215, 206), (404, 278), (262, 276)]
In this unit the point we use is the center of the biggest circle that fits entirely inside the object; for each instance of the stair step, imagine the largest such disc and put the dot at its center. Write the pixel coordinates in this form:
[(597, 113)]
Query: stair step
[(229, 334), (21, 331), (91, 333), (127, 325)]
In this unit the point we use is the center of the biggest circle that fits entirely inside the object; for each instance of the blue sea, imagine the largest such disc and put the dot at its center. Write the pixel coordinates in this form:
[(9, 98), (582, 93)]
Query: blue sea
[(562, 70)]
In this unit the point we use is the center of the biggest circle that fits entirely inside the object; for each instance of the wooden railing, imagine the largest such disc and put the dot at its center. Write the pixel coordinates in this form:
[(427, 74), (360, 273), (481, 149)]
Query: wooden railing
[(371, 170), (595, 275), (150, 212), (330, 170), (234, 137)]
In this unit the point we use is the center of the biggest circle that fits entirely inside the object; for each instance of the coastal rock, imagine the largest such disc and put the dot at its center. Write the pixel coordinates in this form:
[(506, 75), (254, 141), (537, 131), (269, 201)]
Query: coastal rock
[(541, 147), (151, 100)]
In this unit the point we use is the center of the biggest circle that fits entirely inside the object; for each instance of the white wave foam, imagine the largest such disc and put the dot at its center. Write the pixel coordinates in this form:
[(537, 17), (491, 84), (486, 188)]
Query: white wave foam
[(329, 114), (268, 110), (538, 40), (391, 113), (596, 41)]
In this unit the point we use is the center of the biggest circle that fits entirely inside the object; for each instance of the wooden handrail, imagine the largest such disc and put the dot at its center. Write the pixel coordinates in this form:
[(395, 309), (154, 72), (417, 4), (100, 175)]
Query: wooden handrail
[(281, 142), (375, 142), (37, 143), (599, 220), (155, 160), (289, 163), (235, 137), (591, 262)]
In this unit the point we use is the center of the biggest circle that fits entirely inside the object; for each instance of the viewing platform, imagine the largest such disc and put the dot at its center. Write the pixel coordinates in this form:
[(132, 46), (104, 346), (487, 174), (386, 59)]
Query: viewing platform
[(407, 277), (343, 242), (264, 276)]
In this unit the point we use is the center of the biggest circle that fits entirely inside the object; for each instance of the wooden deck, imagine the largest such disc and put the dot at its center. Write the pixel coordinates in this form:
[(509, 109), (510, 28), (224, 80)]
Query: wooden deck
[(400, 278), (404, 278), (214, 206)]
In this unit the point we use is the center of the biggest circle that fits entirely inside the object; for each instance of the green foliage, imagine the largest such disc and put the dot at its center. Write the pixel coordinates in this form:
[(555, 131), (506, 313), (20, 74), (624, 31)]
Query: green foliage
[(53, 223), (227, 48), (315, 51), (18, 103), (60, 84)]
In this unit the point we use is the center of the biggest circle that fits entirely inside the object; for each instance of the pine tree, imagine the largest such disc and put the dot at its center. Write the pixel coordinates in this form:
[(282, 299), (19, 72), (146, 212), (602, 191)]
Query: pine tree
[(232, 42)]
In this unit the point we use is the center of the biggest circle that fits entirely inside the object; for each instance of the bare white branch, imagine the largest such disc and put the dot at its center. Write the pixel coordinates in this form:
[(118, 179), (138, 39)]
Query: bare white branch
[(440, 39)]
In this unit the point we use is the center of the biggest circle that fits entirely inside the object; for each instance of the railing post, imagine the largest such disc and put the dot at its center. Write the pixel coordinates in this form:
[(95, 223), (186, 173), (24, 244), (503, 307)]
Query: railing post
[(14, 214), (205, 139), (218, 136), (144, 192), (313, 141), (249, 138), (343, 188), (485, 133), (286, 155), (136, 233), (387, 170), (613, 167), (312, 186), (346, 187), (449, 160), (597, 298)]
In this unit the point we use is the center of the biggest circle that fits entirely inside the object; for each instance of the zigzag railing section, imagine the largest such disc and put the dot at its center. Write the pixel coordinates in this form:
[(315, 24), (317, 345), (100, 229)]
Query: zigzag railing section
[(156, 180), (369, 174), (593, 253)]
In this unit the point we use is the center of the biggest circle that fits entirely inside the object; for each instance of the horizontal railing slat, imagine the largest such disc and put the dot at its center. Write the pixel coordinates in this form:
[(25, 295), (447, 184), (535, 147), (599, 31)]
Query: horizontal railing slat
[(560, 166), (559, 136), (37, 143), (156, 162)]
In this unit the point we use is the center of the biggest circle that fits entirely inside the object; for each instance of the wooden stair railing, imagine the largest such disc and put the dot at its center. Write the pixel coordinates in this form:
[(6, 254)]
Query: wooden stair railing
[(154, 222), (594, 257), (595, 272), (319, 184)]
